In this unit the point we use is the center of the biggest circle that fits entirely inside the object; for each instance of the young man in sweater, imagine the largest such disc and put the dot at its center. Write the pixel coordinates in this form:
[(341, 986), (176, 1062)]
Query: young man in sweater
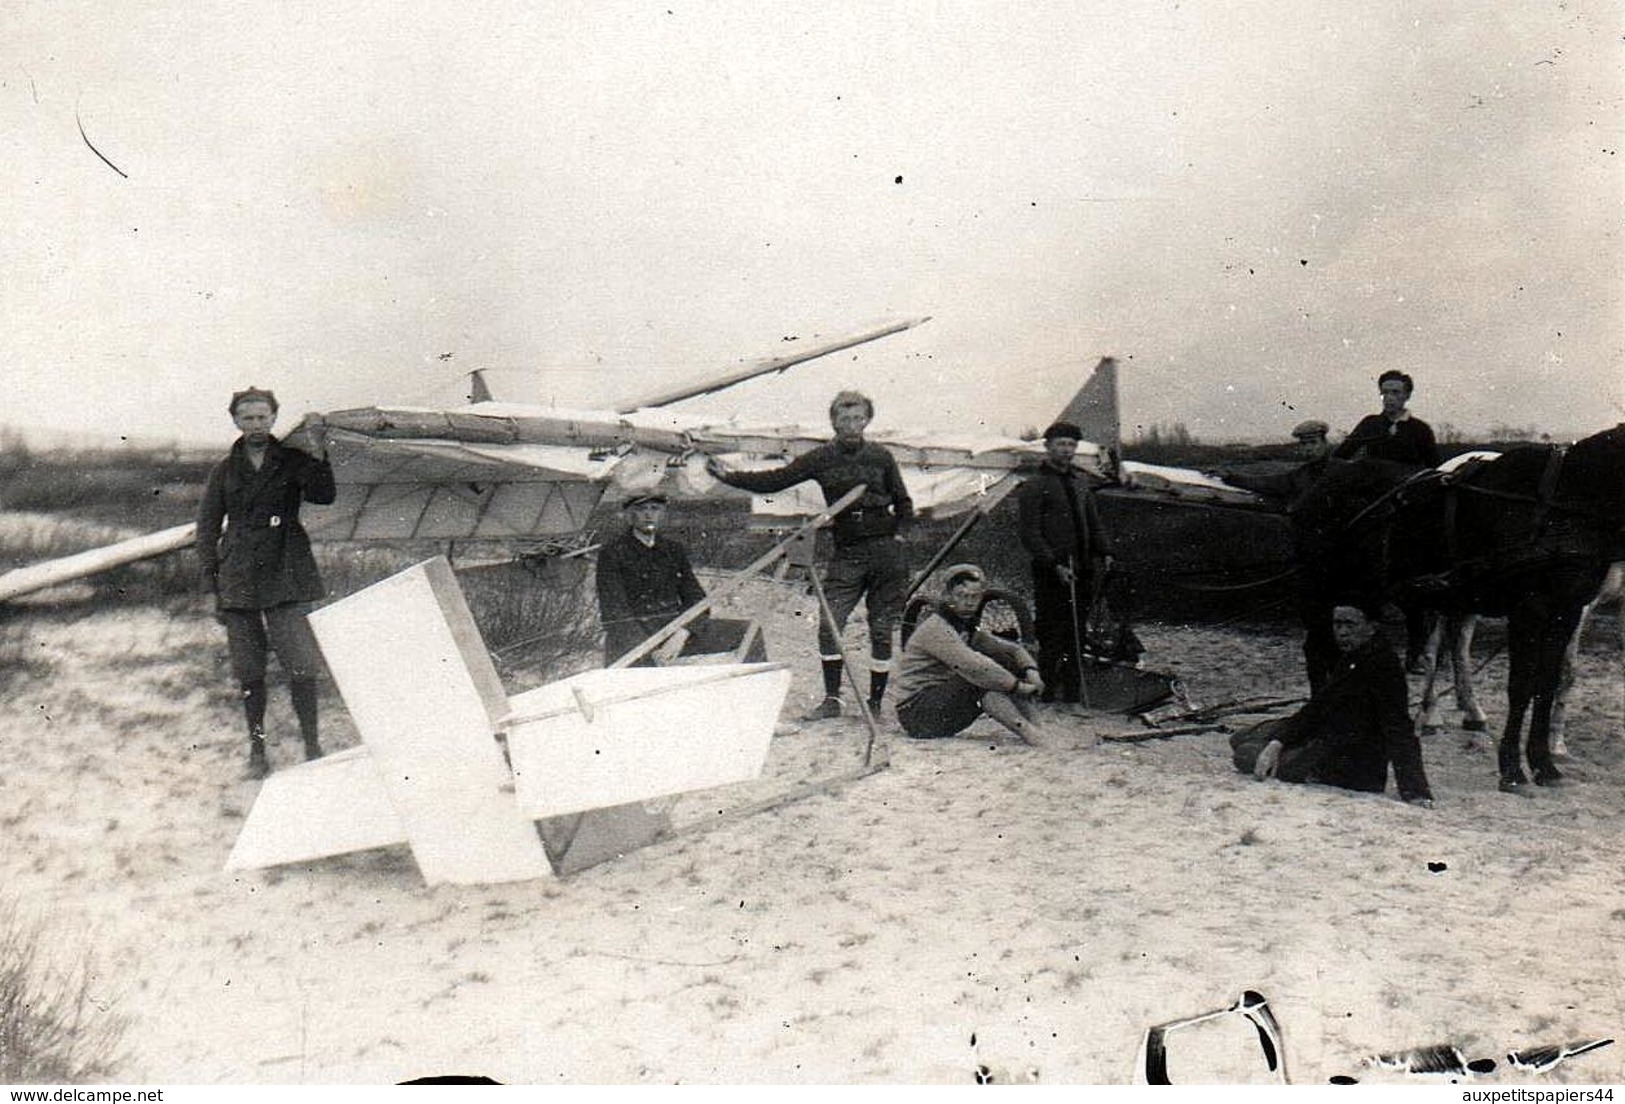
[(952, 671), (868, 561)]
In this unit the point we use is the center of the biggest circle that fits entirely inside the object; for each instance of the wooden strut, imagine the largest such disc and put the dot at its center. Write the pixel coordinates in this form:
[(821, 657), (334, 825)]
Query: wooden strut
[(846, 665), (768, 804)]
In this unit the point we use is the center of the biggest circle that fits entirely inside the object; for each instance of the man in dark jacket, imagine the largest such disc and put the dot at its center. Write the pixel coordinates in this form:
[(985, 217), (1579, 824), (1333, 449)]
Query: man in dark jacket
[(1282, 484), (645, 581), (1309, 492), (1393, 435), (1396, 437), (868, 560), (1061, 530), (261, 571), (1355, 726)]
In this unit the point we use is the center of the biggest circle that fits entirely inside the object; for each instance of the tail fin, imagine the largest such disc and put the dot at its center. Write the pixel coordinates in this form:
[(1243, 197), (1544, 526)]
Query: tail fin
[(477, 389), (1094, 408)]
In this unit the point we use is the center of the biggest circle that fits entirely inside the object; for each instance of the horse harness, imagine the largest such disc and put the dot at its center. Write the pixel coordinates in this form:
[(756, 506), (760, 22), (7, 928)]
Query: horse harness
[(1539, 546), (1385, 507)]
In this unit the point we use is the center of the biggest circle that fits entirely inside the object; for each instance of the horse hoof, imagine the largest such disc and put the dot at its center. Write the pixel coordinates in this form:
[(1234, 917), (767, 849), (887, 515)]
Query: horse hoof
[(1471, 725), (1432, 730), (1552, 777), (1515, 786)]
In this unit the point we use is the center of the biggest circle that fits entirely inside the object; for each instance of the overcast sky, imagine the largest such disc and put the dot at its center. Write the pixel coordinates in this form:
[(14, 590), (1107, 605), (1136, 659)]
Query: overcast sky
[(1256, 206)]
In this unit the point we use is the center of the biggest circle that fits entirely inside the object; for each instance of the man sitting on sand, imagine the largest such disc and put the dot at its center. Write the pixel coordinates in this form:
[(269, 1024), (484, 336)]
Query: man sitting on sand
[(645, 581), (1356, 724), (952, 671)]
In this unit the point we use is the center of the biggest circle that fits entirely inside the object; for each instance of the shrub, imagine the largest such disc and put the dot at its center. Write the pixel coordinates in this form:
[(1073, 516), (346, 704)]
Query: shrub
[(50, 1030), (539, 617)]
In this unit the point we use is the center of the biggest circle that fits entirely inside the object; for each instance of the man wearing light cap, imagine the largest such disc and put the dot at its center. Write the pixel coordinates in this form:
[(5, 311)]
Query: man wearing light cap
[(1071, 552), (645, 581), (1313, 450), (261, 571), (868, 561), (953, 671)]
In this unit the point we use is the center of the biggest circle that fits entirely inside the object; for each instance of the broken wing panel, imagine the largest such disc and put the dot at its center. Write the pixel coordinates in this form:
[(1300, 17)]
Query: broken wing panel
[(329, 806), (394, 489), (604, 738), (400, 652)]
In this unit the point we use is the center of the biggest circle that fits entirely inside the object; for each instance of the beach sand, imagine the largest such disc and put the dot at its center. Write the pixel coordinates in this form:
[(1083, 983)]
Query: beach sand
[(978, 909)]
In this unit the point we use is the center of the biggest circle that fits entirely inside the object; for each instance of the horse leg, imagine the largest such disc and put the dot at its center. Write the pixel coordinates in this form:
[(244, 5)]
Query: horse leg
[(1522, 648), (1473, 720), (1565, 685), (1558, 634), (1429, 719)]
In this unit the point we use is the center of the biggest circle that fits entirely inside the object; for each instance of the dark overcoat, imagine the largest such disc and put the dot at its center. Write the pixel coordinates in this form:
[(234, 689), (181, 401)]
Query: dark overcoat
[(264, 558), (1059, 521), (642, 589), (1355, 726)]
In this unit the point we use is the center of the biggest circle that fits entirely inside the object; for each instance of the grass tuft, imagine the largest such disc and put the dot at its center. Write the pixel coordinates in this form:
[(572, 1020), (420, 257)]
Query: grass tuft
[(51, 1031)]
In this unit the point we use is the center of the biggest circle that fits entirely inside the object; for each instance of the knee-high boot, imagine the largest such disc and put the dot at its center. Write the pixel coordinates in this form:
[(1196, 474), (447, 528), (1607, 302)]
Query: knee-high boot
[(254, 713), (304, 706)]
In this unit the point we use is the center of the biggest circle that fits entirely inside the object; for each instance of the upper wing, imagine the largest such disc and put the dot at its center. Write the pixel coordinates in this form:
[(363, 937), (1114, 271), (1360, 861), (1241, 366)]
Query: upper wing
[(498, 470)]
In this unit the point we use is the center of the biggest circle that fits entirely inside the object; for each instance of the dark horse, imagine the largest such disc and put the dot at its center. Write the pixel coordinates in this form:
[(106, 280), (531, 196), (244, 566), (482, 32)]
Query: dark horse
[(1528, 537)]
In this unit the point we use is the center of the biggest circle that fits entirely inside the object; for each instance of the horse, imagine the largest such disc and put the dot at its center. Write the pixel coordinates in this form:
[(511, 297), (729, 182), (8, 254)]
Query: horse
[(1527, 536), (1455, 636), (1612, 590), (1458, 634)]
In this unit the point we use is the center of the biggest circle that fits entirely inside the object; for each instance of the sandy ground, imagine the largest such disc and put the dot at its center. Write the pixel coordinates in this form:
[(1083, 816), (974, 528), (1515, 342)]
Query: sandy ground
[(979, 905)]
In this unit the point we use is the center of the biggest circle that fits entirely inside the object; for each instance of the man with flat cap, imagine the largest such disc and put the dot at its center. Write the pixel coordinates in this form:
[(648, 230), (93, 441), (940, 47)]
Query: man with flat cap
[(1287, 486), (1071, 552), (645, 581), (261, 571), (1356, 726), (868, 561)]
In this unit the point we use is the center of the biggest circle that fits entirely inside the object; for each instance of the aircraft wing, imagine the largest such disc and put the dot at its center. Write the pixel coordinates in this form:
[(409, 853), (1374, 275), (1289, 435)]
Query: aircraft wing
[(1184, 485), (495, 470), (453, 487), (501, 470), (504, 470)]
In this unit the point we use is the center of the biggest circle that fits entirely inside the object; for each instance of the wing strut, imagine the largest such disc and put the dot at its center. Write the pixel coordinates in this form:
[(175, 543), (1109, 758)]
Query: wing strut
[(764, 367)]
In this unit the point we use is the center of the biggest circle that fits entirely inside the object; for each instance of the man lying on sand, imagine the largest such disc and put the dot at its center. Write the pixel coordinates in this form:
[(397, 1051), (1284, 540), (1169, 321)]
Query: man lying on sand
[(1356, 724), (952, 671)]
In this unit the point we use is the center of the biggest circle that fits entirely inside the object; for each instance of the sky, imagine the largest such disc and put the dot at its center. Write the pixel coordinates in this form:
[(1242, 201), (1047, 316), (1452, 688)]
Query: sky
[(1255, 206)]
